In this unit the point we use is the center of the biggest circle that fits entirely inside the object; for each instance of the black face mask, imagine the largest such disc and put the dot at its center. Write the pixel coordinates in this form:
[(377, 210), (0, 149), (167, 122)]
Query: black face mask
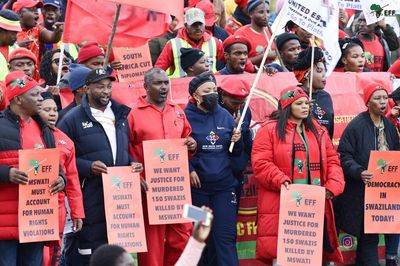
[(210, 101)]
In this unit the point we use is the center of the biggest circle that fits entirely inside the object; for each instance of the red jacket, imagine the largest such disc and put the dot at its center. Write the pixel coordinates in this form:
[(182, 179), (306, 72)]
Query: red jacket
[(166, 58), (73, 188), (272, 168), (147, 122)]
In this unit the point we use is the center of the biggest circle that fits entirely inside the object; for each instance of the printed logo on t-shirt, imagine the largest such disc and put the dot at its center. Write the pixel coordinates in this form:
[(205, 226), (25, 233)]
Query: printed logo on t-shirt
[(260, 49), (213, 139), (369, 57)]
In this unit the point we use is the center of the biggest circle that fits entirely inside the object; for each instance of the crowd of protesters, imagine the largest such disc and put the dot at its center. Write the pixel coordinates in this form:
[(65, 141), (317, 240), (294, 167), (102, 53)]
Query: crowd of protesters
[(93, 132)]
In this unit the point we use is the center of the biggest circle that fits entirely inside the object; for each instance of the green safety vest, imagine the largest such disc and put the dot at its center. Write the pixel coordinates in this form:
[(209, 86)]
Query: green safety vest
[(4, 64), (209, 48)]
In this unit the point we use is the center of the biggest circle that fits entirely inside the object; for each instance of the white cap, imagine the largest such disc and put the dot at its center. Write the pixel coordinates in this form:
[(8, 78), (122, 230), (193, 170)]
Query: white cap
[(194, 15)]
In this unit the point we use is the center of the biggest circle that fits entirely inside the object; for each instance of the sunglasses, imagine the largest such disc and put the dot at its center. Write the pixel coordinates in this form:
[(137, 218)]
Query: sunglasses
[(66, 61)]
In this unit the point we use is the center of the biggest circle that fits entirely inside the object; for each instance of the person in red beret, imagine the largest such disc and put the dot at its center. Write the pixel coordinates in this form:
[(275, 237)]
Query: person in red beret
[(91, 55), (33, 35), (239, 18), (257, 31), (232, 96), (395, 68), (236, 50), (24, 60), (368, 131), (293, 148), (20, 128)]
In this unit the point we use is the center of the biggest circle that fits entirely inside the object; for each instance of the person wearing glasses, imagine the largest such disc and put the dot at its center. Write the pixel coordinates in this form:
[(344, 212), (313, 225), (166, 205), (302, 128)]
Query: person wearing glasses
[(49, 66)]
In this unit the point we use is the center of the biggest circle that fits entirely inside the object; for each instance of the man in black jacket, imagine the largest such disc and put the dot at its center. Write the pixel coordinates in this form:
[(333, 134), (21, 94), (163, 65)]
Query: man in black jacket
[(99, 129), (20, 128)]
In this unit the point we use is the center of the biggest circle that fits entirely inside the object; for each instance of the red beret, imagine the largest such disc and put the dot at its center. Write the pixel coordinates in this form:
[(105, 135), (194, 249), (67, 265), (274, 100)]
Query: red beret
[(370, 89), (235, 88), (236, 39), (241, 3), (395, 68), (20, 4), (291, 94), (88, 51), (22, 53), (18, 83)]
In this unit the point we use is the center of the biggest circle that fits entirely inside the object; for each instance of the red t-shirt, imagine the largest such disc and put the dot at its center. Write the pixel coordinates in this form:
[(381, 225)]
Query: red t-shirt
[(374, 54), (31, 135), (258, 40), (32, 34)]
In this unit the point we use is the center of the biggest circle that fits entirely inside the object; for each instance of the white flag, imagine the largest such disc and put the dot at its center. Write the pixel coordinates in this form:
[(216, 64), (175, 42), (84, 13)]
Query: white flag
[(320, 18), (376, 10)]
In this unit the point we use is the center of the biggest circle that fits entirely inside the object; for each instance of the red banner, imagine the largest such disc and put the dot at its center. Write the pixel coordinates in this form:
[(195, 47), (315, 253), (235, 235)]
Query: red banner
[(92, 20), (170, 7)]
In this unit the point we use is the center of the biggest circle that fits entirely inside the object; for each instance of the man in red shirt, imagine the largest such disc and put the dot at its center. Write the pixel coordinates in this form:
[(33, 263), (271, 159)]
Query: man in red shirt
[(257, 31), (24, 60), (193, 35), (376, 47), (33, 35), (155, 117)]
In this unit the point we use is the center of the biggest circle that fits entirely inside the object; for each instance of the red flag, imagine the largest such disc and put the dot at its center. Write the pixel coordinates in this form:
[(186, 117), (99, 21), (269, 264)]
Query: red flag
[(91, 20), (171, 7)]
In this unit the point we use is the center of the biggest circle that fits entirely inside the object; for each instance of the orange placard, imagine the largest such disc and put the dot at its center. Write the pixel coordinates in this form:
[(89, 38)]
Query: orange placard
[(382, 198), (123, 208), (301, 224), (135, 62), (37, 209), (167, 176)]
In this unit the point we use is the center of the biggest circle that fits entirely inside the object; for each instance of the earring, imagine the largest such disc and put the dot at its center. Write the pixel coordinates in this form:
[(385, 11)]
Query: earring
[(197, 101)]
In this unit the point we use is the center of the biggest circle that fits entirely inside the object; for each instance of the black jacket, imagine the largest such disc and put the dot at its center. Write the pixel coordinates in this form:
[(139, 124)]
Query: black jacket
[(92, 144), (10, 136), (358, 140)]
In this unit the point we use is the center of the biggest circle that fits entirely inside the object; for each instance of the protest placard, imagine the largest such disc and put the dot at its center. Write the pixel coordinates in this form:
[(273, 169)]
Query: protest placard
[(37, 209), (301, 224), (382, 200), (135, 62), (167, 176), (123, 208), (320, 19)]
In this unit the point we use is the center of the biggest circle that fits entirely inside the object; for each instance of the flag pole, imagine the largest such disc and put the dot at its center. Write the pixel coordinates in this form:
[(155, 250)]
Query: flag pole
[(253, 87), (312, 67), (111, 38), (60, 62)]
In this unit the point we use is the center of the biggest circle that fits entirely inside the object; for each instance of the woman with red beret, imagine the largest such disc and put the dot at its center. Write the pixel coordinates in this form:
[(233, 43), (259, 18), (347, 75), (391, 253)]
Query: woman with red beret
[(368, 131), (293, 148)]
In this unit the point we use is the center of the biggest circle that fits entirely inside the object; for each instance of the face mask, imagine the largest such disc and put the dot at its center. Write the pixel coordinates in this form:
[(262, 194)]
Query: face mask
[(210, 101)]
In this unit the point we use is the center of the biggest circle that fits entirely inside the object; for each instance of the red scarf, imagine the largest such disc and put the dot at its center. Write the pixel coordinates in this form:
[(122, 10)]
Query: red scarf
[(306, 159)]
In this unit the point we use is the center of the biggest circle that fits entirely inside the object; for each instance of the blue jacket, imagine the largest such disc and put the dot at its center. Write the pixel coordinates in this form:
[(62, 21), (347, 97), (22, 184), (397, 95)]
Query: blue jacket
[(213, 161), (91, 144), (239, 163)]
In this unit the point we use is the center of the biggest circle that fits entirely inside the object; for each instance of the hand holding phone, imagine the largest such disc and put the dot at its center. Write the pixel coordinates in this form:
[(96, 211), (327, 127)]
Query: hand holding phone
[(197, 214)]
